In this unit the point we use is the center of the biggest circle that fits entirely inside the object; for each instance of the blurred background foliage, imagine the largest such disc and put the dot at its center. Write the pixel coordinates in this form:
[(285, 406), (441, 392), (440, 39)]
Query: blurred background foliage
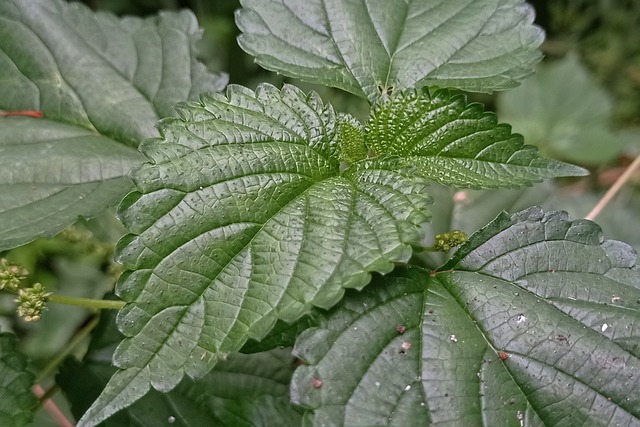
[(582, 106)]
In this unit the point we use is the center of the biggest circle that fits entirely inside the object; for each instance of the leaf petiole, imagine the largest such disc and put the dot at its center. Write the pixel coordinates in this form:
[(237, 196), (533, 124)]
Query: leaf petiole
[(87, 302)]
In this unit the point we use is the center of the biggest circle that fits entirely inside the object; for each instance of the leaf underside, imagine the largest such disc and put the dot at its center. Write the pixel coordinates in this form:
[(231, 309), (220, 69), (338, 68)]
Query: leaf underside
[(262, 227), (16, 381), (101, 84), (534, 320), (373, 47)]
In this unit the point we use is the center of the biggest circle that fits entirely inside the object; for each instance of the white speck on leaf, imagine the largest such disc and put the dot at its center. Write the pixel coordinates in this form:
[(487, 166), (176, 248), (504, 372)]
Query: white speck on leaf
[(453, 338), (604, 327), (521, 318), (408, 387)]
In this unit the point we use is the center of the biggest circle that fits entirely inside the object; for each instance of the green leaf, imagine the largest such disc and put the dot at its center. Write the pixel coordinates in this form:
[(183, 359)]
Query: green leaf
[(17, 401), (101, 84), (445, 139), (242, 390), (564, 111), (376, 47), (534, 320), (242, 218)]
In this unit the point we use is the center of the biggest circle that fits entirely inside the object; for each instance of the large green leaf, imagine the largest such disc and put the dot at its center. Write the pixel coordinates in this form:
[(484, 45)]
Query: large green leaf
[(242, 390), (101, 84), (243, 218), (377, 46), (16, 399), (534, 321), (564, 111), (443, 138)]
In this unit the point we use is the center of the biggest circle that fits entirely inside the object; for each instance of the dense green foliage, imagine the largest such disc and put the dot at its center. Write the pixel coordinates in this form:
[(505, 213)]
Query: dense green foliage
[(276, 264)]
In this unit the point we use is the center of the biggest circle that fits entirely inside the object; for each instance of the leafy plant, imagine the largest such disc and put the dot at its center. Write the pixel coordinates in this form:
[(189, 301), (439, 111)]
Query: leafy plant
[(259, 220)]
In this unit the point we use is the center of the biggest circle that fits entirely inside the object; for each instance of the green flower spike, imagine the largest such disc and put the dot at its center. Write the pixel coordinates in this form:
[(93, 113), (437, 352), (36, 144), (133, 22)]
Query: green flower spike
[(11, 275), (31, 301)]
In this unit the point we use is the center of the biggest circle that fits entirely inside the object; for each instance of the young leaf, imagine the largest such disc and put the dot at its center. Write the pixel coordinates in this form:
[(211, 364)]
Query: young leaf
[(375, 47), (17, 401), (534, 321), (242, 218), (101, 83), (443, 138)]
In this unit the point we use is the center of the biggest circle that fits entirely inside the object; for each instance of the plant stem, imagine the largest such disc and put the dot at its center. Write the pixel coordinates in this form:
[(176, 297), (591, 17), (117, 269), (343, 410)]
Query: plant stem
[(51, 407), (86, 302), (81, 335), (608, 196)]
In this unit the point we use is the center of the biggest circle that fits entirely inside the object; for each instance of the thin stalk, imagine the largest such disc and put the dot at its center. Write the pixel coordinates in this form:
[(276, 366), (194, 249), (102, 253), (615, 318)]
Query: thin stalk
[(610, 194), (97, 304), (51, 367), (50, 406)]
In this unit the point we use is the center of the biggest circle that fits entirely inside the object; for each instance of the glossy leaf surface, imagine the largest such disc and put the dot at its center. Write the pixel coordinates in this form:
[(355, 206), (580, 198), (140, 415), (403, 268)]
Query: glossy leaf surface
[(243, 218), (534, 321)]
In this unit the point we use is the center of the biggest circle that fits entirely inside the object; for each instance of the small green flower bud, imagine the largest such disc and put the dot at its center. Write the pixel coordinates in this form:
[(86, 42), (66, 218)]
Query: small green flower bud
[(445, 241), (31, 301), (11, 275)]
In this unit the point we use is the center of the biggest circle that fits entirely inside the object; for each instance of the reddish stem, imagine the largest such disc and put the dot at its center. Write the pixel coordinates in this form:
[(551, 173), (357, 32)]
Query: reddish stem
[(28, 113)]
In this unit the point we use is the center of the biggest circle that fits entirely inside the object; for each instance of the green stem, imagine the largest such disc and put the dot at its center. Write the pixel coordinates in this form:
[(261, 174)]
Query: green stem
[(97, 304), (51, 367)]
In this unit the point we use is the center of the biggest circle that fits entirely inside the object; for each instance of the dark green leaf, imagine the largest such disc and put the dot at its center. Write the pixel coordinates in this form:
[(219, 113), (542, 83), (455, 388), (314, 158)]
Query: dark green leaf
[(443, 138), (241, 391), (376, 47), (101, 84), (241, 219), (534, 321), (16, 399)]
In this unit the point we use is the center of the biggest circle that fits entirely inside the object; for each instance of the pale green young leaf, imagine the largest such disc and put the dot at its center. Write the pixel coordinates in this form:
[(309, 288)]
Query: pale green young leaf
[(243, 218), (440, 136), (534, 321), (374, 47), (101, 84), (18, 402)]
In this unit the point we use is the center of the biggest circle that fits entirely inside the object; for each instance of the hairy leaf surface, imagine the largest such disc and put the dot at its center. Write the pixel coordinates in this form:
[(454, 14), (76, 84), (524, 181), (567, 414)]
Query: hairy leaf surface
[(101, 84), (241, 219), (535, 321), (373, 47), (441, 137), (17, 401)]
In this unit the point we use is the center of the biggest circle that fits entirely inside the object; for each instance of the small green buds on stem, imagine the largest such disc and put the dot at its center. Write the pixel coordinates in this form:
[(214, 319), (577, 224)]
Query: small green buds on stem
[(11, 275), (445, 241), (31, 301)]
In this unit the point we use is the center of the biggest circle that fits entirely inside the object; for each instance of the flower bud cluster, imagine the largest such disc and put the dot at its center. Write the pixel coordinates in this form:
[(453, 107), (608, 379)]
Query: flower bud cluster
[(445, 241)]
